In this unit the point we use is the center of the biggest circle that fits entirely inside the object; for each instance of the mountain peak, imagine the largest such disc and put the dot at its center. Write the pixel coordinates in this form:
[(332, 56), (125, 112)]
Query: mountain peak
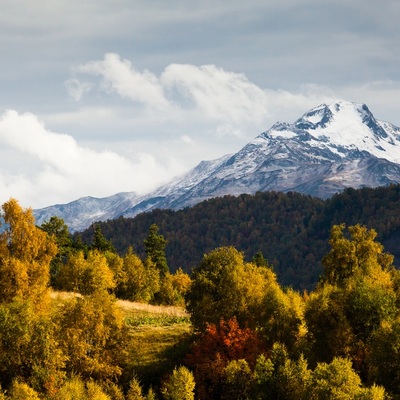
[(316, 117), (329, 148), (322, 115), (343, 125)]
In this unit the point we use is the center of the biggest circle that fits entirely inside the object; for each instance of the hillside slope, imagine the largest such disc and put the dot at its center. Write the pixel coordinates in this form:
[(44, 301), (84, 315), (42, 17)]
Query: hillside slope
[(291, 230)]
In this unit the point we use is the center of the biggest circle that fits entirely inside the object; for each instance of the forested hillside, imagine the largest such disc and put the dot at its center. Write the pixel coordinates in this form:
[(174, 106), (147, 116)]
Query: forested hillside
[(242, 335), (290, 230)]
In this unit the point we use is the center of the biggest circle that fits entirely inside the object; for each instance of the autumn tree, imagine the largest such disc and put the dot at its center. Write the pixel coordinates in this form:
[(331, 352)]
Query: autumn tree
[(237, 380), (76, 388), (225, 286), (28, 349), (92, 335), (86, 275), (384, 356), (135, 391), (179, 385), (215, 348), (279, 376), (98, 276), (174, 288), (115, 264), (281, 317), (329, 331), (355, 296), (138, 280), (357, 254), (21, 391), (25, 255), (71, 273), (338, 380)]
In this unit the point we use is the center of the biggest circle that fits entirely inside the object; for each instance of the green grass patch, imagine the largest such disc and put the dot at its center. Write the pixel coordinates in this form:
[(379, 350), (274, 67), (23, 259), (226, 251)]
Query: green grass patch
[(157, 344), (156, 320)]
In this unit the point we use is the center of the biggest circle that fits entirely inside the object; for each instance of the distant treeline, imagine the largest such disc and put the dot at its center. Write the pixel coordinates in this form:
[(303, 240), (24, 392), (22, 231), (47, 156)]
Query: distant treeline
[(289, 229)]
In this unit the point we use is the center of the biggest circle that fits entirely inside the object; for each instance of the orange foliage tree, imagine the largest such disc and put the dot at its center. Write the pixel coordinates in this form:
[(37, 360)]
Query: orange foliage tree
[(215, 348)]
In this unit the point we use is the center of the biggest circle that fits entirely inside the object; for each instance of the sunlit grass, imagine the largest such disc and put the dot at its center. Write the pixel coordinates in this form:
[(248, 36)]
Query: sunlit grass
[(157, 347), (158, 336), (143, 308)]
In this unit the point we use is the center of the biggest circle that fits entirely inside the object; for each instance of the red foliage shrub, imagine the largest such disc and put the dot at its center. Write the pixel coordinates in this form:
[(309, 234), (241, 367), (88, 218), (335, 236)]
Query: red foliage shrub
[(215, 348)]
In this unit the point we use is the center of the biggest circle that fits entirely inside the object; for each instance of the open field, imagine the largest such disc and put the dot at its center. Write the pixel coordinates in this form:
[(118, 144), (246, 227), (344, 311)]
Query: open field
[(130, 306), (151, 309), (159, 336)]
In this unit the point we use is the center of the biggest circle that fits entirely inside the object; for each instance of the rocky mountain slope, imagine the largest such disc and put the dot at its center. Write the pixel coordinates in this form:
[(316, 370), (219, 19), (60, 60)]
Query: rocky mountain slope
[(329, 148)]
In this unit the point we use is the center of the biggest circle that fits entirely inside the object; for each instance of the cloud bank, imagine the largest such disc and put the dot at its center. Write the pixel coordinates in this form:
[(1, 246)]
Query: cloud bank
[(60, 168), (181, 93)]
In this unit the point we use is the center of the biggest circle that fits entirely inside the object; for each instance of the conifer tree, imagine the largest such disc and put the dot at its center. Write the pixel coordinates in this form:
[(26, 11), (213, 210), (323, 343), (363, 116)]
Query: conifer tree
[(58, 230), (155, 249), (100, 243)]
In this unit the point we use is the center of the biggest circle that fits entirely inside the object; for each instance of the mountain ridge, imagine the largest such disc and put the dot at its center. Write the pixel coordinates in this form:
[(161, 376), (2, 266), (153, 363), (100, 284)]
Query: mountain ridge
[(327, 149)]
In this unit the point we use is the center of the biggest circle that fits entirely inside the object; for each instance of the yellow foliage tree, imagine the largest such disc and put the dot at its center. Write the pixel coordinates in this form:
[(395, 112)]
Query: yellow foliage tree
[(76, 388), (22, 391), (357, 254), (338, 380), (86, 275), (179, 385), (91, 334), (174, 287), (225, 286), (357, 293), (25, 255), (98, 275), (139, 281)]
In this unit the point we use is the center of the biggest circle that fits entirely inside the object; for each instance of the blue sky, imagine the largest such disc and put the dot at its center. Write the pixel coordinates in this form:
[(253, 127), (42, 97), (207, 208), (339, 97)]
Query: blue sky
[(104, 96)]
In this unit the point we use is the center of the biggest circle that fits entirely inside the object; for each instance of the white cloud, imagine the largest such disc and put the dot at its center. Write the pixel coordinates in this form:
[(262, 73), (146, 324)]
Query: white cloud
[(187, 96), (62, 169), (181, 89), (119, 76), (216, 93)]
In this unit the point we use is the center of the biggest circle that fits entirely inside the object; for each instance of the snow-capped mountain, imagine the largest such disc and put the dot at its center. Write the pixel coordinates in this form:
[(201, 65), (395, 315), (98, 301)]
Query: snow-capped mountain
[(329, 148)]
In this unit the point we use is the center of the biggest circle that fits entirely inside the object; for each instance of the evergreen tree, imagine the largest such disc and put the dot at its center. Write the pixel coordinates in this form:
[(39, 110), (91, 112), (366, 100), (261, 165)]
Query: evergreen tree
[(100, 243), (155, 249), (58, 230)]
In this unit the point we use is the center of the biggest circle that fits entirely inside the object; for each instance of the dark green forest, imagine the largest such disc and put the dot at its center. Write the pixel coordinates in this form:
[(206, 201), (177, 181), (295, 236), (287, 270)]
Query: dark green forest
[(290, 230)]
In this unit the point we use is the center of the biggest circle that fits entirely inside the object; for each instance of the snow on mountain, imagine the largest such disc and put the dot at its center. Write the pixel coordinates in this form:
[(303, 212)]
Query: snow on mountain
[(79, 214), (352, 126), (329, 148)]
